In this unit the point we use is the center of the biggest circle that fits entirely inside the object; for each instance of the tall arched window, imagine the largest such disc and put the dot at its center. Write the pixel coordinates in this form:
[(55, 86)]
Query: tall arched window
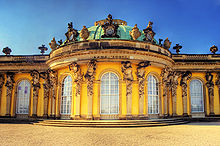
[(23, 97), (66, 97), (153, 95), (196, 94), (109, 94)]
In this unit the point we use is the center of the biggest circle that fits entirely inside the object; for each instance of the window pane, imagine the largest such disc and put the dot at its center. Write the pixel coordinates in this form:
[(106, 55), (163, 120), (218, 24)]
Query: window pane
[(66, 97), (196, 94), (153, 95), (109, 94), (23, 96)]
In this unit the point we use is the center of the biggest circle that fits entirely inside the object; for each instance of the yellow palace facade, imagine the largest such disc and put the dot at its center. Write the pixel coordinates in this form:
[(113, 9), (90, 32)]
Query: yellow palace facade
[(110, 71)]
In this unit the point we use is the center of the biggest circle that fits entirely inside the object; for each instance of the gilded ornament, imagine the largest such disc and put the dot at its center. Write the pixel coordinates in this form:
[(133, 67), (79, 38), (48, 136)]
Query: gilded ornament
[(53, 44), (71, 34), (149, 33), (214, 49), (84, 34), (167, 44), (135, 33), (6, 51)]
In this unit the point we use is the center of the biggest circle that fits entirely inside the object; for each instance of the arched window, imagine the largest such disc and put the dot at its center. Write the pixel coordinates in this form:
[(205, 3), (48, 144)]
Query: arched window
[(109, 94), (66, 97), (196, 94), (23, 97), (153, 95)]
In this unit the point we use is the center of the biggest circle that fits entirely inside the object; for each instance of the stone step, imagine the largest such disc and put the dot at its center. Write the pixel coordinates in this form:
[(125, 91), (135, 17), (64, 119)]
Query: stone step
[(110, 123), (103, 126)]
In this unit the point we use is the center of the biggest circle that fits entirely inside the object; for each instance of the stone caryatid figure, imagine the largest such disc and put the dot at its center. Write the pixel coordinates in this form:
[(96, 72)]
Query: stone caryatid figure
[(78, 78), (210, 86), (84, 34), (71, 34), (2, 81), (47, 87), (141, 72), (128, 78), (135, 33), (174, 85), (36, 86), (217, 82), (53, 78), (9, 84), (90, 78), (167, 44), (183, 83), (166, 75)]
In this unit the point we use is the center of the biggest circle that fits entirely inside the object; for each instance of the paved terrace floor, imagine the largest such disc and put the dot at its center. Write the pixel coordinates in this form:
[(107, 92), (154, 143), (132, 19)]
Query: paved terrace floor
[(203, 133)]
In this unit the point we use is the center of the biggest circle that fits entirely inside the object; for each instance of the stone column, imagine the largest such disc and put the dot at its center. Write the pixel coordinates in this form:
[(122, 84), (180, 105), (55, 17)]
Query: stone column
[(166, 74), (141, 82), (36, 86), (2, 81), (53, 78), (46, 86), (128, 78), (129, 97), (173, 90), (165, 92), (9, 84), (90, 78), (183, 83), (217, 83), (210, 86), (78, 78), (46, 97)]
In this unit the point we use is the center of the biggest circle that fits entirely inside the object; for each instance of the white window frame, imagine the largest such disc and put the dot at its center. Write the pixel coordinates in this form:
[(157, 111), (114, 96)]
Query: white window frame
[(200, 95), (109, 94), (152, 96), (23, 99), (66, 93)]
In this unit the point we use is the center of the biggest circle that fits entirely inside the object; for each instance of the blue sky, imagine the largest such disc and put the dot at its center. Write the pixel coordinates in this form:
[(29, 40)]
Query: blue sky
[(27, 24)]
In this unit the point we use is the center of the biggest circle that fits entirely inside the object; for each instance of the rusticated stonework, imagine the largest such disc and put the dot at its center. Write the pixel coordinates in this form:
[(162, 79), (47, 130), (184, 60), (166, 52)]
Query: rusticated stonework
[(210, 86)]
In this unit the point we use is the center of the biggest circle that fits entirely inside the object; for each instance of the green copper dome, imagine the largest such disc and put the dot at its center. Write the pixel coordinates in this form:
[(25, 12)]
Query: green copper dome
[(123, 31), (109, 29)]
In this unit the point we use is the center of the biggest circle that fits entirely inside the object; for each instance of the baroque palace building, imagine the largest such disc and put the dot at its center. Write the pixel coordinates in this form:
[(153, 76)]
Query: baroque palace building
[(110, 71)]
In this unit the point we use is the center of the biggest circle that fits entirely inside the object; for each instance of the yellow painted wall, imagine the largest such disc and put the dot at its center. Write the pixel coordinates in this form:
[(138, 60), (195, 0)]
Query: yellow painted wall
[(103, 67), (179, 100), (3, 101)]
